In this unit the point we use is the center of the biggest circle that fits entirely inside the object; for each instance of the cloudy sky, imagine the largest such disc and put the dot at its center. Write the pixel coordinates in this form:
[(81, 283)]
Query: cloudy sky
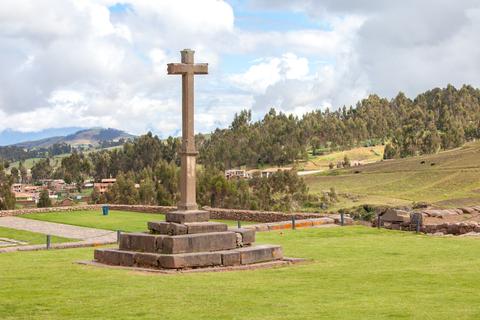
[(85, 63)]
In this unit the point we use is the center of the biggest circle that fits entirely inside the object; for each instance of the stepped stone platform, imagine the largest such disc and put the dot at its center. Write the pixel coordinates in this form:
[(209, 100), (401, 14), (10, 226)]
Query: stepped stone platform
[(186, 240)]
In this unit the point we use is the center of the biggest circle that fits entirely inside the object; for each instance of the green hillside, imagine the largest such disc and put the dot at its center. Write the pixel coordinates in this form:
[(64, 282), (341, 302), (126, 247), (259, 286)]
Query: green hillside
[(92, 136), (447, 179)]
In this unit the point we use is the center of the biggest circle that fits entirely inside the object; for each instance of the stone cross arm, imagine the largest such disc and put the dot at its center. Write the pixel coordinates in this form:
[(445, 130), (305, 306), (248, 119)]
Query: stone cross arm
[(186, 68)]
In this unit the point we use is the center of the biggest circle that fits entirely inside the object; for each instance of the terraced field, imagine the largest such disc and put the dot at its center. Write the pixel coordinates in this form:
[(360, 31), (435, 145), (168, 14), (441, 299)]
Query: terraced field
[(447, 179), (361, 154)]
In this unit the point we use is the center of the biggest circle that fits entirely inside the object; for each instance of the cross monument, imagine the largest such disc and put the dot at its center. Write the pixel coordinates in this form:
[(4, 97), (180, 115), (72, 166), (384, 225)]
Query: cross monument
[(187, 68), (186, 239)]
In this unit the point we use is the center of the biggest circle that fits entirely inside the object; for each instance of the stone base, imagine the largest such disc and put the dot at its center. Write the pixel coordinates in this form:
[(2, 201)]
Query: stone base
[(187, 243), (187, 216), (243, 256), (261, 265), (187, 240), (172, 228)]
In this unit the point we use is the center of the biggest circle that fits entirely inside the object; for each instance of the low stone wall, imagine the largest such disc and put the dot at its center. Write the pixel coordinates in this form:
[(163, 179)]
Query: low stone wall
[(284, 225), (18, 212), (396, 219), (258, 216), (215, 213), (457, 228)]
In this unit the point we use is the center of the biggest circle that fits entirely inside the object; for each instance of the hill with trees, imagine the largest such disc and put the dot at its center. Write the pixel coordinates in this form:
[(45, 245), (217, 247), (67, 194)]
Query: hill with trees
[(439, 119)]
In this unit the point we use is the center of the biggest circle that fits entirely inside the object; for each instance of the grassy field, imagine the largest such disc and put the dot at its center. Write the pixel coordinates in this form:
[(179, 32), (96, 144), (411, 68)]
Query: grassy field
[(28, 163), (447, 179), (355, 273), (29, 237), (116, 220), (362, 154)]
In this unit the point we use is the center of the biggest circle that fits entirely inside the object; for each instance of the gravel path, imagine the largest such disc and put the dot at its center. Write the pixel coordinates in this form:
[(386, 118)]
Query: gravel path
[(58, 229)]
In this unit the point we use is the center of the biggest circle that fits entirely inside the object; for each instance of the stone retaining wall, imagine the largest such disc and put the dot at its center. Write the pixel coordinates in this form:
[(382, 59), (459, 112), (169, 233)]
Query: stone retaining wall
[(215, 213), (457, 228), (396, 219), (258, 216)]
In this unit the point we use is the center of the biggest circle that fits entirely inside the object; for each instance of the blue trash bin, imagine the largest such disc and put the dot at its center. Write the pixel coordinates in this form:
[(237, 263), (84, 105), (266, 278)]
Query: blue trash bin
[(105, 210)]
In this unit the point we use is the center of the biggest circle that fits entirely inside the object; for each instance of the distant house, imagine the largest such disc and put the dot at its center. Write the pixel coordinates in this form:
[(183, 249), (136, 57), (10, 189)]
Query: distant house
[(243, 174), (28, 188), (88, 184), (25, 196), (104, 185), (57, 185), (265, 173), (236, 174), (109, 180), (66, 202), (17, 187)]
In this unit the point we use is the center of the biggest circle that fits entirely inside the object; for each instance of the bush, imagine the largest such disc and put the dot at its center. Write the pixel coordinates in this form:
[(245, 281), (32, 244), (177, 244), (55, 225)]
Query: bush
[(44, 200)]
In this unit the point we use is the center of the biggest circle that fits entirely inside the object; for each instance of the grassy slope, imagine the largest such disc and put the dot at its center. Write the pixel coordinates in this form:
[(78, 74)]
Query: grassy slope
[(356, 273), (29, 237), (363, 154), (28, 163), (453, 180), (116, 220)]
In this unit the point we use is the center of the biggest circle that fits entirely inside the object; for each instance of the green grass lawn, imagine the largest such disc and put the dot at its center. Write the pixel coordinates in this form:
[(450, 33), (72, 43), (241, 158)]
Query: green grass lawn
[(29, 237), (116, 220), (356, 273), (450, 178)]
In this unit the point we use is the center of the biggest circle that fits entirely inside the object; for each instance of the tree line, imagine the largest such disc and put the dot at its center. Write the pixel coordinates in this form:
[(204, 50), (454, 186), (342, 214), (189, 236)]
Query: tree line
[(15, 153), (436, 119)]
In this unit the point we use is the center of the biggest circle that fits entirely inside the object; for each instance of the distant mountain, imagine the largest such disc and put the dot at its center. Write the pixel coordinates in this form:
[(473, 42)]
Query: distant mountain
[(93, 136), (9, 136)]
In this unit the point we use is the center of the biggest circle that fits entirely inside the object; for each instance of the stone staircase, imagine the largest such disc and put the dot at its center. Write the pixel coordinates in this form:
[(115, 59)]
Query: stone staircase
[(186, 239)]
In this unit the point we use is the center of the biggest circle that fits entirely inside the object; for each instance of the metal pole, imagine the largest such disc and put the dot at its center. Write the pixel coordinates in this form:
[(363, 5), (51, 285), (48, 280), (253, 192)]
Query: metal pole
[(293, 222), (417, 227), (342, 219), (239, 224), (49, 241)]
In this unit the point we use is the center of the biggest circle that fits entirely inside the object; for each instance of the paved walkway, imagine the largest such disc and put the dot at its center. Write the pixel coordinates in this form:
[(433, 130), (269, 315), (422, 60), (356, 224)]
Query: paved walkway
[(54, 229)]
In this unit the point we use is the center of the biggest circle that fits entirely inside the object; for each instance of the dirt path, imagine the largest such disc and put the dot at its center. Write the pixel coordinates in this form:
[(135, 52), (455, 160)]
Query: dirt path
[(306, 173)]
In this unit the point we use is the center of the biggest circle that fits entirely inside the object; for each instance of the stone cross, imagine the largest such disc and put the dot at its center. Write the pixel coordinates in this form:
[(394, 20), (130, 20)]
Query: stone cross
[(189, 153)]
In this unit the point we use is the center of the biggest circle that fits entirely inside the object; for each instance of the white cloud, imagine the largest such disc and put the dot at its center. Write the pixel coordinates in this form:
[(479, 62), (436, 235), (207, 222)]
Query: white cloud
[(75, 63), (269, 71), (409, 45)]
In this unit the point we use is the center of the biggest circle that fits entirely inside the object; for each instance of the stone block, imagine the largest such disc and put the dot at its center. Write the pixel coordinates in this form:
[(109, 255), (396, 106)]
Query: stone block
[(190, 260), (144, 259), (169, 228), (115, 257), (142, 242), (187, 216), (395, 215), (230, 258), (201, 242), (468, 210), (248, 235), (205, 227), (261, 253), (337, 219)]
